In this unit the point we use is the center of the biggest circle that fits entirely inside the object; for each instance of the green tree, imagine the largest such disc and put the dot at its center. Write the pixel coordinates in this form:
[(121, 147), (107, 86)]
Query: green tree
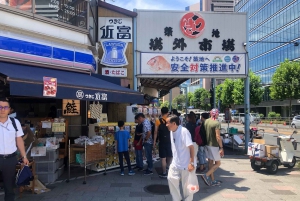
[(224, 92), (179, 100), (200, 98), (165, 104), (256, 90), (286, 82), (190, 97)]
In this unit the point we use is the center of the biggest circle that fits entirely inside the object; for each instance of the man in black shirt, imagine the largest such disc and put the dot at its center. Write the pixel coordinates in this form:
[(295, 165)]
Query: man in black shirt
[(138, 146)]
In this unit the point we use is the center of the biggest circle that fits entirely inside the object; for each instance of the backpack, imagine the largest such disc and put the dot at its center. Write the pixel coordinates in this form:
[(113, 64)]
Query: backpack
[(191, 127), (163, 132), (14, 123), (200, 137)]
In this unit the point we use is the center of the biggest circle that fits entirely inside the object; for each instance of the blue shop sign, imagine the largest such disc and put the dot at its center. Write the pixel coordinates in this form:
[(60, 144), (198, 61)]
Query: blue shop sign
[(114, 53)]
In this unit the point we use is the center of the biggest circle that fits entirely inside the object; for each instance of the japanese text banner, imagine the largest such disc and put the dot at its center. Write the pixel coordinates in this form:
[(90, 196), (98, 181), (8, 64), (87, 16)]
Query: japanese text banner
[(193, 64)]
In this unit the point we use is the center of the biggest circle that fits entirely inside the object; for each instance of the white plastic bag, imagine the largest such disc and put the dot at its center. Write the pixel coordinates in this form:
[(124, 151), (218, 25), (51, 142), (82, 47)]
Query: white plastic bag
[(192, 183)]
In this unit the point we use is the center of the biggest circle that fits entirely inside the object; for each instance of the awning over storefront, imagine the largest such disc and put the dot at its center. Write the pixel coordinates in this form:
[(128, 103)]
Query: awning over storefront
[(28, 81)]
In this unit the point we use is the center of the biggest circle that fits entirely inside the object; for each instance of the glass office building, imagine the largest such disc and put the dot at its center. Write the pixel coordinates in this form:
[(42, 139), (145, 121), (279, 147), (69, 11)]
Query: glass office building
[(274, 35), (274, 27)]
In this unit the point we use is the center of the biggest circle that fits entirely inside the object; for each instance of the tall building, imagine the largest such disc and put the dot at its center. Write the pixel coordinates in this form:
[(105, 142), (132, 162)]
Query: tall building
[(274, 27)]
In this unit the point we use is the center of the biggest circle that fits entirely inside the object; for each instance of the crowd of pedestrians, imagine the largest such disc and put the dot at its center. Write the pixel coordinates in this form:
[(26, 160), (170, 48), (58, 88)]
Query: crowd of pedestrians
[(179, 148)]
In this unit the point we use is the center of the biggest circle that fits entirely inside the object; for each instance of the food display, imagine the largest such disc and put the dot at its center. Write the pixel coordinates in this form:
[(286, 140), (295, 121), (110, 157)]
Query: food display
[(107, 131)]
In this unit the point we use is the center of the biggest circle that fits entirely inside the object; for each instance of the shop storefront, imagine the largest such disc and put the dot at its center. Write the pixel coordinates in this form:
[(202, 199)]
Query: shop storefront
[(48, 69)]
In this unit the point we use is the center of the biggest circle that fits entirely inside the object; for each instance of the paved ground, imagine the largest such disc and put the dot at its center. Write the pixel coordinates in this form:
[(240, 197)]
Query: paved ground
[(239, 183)]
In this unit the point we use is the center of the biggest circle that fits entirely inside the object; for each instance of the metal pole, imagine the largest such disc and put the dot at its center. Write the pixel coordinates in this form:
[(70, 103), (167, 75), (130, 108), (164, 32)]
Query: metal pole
[(186, 100), (247, 93), (170, 100), (214, 91), (134, 52)]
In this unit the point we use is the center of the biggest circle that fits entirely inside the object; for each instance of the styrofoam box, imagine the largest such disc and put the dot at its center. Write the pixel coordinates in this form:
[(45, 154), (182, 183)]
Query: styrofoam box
[(48, 177), (51, 155), (258, 150), (47, 166)]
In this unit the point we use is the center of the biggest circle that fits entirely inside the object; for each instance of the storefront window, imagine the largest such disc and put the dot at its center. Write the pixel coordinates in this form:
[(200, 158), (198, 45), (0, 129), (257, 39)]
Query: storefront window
[(25, 5), (73, 12)]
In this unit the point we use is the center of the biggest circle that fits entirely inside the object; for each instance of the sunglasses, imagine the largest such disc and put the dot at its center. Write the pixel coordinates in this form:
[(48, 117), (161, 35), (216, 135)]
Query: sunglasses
[(4, 107)]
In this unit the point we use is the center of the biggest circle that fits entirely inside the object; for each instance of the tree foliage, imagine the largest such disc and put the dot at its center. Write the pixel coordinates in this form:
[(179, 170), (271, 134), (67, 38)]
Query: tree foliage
[(190, 97), (179, 100), (224, 92), (256, 90), (165, 104), (286, 82), (200, 97)]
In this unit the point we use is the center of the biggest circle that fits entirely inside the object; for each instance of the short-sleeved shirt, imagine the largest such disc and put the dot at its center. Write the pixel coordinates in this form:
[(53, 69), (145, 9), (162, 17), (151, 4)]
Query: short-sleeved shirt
[(122, 138), (157, 122), (8, 136), (210, 127), (180, 142), (138, 130), (147, 128)]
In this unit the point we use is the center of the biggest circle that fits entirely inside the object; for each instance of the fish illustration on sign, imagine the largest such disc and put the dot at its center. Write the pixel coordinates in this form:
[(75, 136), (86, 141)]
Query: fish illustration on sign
[(159, 64)]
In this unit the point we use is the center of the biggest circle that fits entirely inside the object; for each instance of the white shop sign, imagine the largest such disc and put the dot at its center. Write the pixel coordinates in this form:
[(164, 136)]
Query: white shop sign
[(116, 28), (114, 72)]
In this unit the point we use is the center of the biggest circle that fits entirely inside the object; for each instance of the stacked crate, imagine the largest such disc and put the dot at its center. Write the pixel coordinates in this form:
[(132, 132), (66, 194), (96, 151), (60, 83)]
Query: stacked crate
[(49, 167)]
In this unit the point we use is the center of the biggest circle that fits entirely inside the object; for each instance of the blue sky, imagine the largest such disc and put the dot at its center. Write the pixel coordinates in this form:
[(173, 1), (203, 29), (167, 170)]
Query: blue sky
[(153, 4)]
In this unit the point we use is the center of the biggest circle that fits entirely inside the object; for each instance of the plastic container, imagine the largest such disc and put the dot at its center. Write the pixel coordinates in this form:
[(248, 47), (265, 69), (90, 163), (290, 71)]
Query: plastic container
[(51, 155), (48, 177), (47, 166)]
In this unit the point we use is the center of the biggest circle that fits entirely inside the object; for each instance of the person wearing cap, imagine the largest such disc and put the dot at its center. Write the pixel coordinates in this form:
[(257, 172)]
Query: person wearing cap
[(10, 139), (214, 147)]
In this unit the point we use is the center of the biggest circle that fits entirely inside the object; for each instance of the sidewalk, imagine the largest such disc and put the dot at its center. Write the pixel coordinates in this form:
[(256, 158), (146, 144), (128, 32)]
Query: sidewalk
[(239, 183)]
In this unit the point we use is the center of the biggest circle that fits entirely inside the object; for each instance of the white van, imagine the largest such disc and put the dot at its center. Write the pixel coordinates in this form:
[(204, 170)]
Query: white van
[(254, 118)]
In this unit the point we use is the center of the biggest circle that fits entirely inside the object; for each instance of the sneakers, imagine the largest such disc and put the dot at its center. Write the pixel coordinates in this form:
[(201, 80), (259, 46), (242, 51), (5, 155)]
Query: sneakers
[(216, 183), (163, 175), (206, 179), (140, 169), (148, 172), (122, 173), (131, 172)]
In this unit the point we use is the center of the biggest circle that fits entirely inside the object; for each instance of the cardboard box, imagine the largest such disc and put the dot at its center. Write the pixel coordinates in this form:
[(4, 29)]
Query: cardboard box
[(272, 151), (259, 141), (257, 150)]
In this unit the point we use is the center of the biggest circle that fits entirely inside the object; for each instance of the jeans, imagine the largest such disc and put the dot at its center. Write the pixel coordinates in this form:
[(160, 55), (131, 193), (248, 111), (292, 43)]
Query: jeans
[(201, 155), (139, 158), (148, 151), (126, 155)]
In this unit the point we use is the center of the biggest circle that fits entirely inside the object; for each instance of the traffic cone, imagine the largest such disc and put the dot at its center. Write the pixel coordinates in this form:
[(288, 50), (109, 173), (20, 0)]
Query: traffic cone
[(271, 122), (284, 123)]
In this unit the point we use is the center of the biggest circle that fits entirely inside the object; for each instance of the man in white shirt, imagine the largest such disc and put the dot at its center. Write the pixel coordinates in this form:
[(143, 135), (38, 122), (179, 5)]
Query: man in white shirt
[(10, 139), (183, 159)]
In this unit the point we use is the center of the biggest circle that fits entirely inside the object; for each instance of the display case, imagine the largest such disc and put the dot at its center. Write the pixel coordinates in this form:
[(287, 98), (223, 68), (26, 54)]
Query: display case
[(107, 131)]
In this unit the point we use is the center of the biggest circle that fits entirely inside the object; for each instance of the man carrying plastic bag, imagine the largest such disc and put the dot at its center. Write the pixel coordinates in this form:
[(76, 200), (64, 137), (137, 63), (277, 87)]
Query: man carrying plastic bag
[(182, 167)]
